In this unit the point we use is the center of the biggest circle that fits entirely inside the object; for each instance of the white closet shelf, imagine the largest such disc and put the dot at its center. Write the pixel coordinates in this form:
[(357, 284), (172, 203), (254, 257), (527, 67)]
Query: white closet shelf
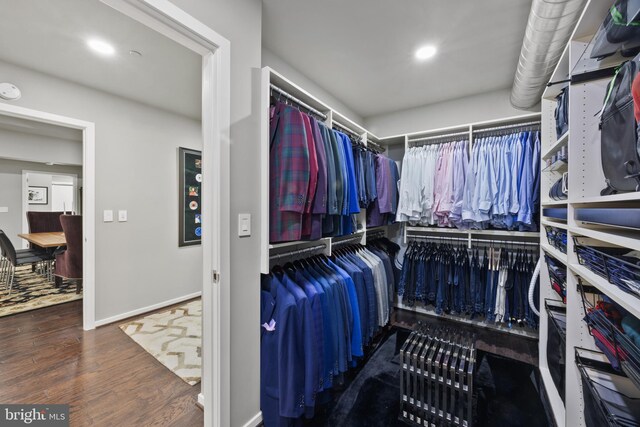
[(444, 230), (619, 237), (624, 299), (558, 166), (553, 202), (554, 252), (283, 245), (529, 234), (561, 142), (474, 232), (516, 330), (623, 197), (555, 224)]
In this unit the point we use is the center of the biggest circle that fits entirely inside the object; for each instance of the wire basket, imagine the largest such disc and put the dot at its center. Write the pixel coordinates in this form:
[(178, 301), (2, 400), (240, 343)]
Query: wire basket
[(557, 238), (557, 276)]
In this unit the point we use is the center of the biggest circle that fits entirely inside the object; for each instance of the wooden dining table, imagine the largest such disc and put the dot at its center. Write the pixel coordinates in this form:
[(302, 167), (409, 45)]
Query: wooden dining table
[(53, 239)]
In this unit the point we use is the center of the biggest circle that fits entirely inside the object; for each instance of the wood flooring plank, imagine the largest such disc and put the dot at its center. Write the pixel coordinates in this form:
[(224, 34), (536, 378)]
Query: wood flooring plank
[(107, 378)]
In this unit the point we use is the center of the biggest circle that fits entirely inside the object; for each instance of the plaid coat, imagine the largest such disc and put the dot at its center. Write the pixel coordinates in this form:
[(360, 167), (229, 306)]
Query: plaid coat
[(289, 174)]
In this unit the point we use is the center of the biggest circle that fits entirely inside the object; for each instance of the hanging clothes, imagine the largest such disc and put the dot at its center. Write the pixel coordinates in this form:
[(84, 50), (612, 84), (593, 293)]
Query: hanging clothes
[(495, 185), (318, 316), (458, 281)]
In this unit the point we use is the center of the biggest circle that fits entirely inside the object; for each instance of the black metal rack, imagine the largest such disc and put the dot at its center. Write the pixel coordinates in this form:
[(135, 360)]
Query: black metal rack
[(556, 343), (436, 382)]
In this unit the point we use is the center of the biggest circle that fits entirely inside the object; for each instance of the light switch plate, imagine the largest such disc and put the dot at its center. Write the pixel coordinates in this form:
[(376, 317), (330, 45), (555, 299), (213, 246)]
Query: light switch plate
[(122, 216), (4, 209), (107, 216), (244, 225)]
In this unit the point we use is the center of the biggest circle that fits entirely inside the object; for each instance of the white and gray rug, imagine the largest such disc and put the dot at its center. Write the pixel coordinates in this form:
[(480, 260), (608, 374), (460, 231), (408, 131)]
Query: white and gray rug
[(174, 337)]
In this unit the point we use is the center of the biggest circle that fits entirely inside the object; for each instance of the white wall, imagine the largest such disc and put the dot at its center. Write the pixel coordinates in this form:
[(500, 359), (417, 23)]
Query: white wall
[(138, 263), (477, 108), (240, 22), (270, 59), (11, 193), (38, 148)]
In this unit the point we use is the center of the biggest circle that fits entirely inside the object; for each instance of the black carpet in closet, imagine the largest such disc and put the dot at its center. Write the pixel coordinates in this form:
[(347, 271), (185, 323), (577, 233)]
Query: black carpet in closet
[(506, 392)]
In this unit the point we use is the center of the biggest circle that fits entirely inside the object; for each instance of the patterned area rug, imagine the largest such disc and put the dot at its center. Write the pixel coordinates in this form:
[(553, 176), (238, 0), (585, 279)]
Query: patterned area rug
[(31, 291), (174, 337)]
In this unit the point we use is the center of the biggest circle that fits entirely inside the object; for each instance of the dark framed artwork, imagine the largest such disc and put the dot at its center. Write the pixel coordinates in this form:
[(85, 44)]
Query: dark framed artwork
[(190, 170), (38, 195)]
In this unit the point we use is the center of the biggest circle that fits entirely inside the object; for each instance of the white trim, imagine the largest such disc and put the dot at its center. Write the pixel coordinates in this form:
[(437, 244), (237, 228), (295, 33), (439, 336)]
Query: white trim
[(171, 21), (88, 201), (147, 309), (255, 420)]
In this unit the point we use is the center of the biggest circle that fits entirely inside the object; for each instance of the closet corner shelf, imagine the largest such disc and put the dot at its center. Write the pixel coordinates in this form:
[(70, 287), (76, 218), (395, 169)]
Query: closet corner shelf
[(523, 332), (623, 197), (624, 299), (553, 202), (563, 258), (619, 237), (561, 142), (277, 246), (555, 224), (558, 166)]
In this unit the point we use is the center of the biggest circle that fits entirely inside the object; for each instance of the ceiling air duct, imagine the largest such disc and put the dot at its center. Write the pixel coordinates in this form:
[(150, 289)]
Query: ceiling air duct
[(549, 27)]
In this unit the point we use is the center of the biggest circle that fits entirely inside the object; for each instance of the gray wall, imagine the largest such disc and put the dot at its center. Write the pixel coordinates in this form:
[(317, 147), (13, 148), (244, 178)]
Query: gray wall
[(38, 148), (477, 108), (270, 59), (240, 22), (138, 263), (11, 193)]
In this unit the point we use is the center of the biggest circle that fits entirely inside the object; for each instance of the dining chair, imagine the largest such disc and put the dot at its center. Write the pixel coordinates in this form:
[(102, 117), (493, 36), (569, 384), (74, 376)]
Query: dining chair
[(69, 262), (13, 259)]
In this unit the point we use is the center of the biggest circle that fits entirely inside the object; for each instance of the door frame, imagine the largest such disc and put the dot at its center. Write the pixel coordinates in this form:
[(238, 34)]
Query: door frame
[(88, 201), (174, 23)]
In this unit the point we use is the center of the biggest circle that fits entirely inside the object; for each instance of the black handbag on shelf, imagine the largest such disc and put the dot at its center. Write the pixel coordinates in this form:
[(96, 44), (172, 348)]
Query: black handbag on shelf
[(620, 152), (562, 112), (615, 34)]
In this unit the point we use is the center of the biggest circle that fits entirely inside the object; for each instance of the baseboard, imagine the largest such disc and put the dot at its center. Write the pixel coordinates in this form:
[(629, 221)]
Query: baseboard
[(147, 309), (201, 401), (255, 421)]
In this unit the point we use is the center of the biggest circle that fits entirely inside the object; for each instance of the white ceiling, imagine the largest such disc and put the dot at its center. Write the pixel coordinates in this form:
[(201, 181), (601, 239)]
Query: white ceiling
[(362, 50), (50, 36)]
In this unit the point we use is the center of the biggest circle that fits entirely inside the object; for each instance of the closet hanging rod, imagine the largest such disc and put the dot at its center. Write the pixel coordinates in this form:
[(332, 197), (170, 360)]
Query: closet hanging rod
[(430, 138), (376, 234), (299, 102), (375, 145), (466, 239), (516, 125), (349, 240), (298, 252), (347, 130)]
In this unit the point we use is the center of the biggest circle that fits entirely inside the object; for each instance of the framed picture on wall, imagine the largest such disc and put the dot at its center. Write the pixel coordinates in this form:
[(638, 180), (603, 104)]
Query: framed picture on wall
[(190, 170), (38, 195)]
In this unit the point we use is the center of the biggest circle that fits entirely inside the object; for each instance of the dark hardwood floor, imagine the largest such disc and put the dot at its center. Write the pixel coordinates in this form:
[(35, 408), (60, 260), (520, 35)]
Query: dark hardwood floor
[(106, 378)]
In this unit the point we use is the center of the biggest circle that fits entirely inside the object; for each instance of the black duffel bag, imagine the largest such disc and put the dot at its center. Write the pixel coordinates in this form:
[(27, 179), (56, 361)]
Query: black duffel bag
[(619, 141)]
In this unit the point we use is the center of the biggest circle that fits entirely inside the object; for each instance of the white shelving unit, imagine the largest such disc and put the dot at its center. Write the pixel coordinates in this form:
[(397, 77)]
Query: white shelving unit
[(270, 77), (586, 180)]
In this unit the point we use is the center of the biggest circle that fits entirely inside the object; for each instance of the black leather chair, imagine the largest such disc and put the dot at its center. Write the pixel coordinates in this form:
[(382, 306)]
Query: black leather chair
[(11, 258)]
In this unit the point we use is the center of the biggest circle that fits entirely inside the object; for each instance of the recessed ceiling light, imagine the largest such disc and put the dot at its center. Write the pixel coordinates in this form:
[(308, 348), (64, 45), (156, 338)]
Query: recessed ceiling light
[(101, 47), (426, 52)]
